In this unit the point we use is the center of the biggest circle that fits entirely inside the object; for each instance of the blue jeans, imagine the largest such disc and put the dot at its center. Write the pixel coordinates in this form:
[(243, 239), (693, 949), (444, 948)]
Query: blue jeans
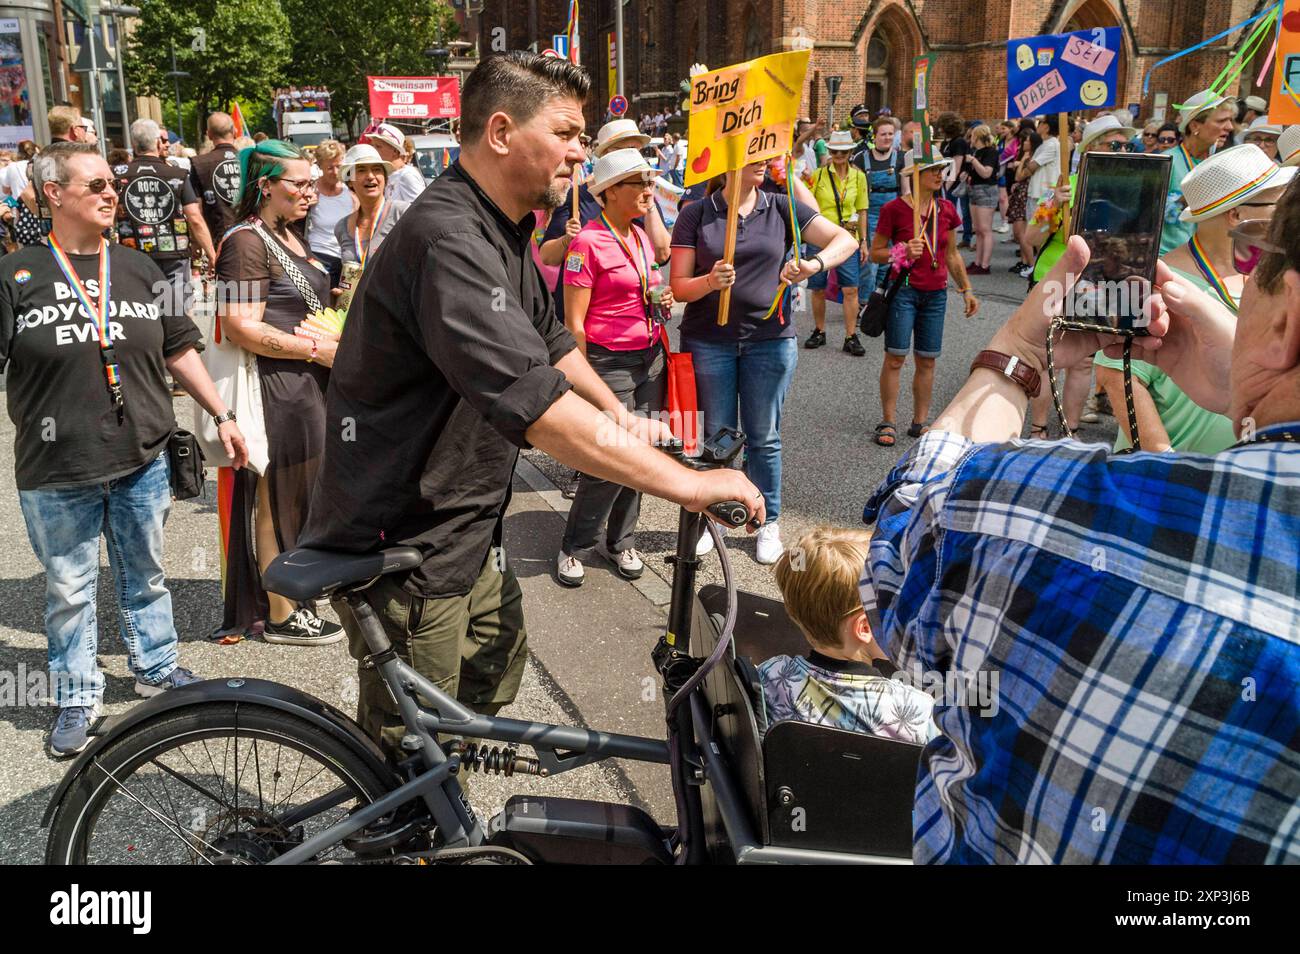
[(64, 526), (869, 272), (916, 314), (755, 376)]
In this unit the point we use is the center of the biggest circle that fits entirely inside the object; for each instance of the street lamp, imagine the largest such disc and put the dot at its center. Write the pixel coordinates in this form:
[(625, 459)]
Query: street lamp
[(176, 76), (115, 12)]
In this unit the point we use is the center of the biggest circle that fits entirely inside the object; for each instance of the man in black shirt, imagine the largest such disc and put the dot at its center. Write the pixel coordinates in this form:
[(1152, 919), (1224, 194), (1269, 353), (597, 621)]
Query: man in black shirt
[(215, 177), (451, 360)]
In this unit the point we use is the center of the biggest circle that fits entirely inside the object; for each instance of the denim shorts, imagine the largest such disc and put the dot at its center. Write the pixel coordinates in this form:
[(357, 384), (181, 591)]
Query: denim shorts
[(984, 196), (919, 315), (846, 271)]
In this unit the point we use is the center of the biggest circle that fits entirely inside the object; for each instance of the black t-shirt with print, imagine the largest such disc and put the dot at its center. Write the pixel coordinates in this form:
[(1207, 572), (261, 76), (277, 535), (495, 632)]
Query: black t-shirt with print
[(58, 397)]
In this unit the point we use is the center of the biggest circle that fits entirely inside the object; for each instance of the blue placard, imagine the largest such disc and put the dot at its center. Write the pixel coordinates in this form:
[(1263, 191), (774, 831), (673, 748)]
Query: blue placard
[(1063, 72), (560, 44)]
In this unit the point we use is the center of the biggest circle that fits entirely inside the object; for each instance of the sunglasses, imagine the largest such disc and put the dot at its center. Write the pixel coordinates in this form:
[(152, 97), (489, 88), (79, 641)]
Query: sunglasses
[(1167, 141), (1250, 244), (1148, 135), (1122, 146), (641, 184), (97, 186)]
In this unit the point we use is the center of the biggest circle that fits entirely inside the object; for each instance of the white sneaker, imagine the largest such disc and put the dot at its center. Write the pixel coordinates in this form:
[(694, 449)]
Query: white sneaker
[(569, 570), (705, 545), (1003, 228), (1090, 414), (629, 564), (768, 547)]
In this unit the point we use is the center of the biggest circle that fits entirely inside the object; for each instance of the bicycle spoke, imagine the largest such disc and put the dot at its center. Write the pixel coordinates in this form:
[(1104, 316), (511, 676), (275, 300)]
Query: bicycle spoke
[(178, 833)]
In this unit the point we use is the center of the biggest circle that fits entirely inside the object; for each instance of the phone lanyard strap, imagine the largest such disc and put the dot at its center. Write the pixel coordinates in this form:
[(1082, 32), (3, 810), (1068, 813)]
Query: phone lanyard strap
[(642, 271), (1212, 276), (97, 313)]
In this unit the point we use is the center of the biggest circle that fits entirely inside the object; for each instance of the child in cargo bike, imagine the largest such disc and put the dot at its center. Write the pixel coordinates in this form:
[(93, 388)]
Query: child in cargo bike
[(844, 681)]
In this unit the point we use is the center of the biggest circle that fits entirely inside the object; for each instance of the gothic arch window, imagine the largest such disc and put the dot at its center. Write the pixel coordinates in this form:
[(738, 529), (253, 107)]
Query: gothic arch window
[(876, 74), (755, 45)]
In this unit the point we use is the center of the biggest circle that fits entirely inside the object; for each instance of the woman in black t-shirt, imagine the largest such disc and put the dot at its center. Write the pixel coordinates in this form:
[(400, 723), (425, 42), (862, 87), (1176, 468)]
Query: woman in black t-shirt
[(983, 179), (956, 147), (268, 284), (86, 363)]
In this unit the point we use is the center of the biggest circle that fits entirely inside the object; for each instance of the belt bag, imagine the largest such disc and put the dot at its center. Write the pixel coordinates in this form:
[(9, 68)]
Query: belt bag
[(185, 461)]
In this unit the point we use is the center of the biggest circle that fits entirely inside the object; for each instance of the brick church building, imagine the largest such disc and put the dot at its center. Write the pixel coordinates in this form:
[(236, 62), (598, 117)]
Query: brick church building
[(870, 44)]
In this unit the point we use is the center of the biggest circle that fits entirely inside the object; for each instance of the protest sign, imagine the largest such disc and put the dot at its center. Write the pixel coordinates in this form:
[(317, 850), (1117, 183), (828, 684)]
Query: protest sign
[(1284, 107), (1062, 72)]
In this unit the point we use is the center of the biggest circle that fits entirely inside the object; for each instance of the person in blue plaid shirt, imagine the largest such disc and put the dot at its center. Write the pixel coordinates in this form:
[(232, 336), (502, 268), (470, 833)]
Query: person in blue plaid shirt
[(1142, 611)]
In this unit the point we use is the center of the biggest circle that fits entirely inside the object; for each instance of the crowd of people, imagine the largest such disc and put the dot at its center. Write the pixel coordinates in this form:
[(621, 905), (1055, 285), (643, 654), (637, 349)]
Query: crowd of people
[(525, 298)]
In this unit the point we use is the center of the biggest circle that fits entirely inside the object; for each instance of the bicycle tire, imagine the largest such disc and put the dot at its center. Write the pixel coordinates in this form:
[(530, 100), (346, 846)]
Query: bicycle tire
[(72, 827)]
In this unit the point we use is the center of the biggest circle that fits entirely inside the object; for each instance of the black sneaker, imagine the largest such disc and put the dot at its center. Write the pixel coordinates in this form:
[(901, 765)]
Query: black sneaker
[(303, 628), (1016, 267), (815, 340), (854, 347)]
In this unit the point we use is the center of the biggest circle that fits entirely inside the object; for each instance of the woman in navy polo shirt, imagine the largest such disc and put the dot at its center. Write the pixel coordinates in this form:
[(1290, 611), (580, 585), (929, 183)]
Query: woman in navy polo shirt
[(748, 362)]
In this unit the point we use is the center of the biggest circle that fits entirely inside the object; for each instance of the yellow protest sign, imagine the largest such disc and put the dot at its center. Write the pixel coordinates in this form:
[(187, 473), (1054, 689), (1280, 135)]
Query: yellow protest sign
[(743, 113)]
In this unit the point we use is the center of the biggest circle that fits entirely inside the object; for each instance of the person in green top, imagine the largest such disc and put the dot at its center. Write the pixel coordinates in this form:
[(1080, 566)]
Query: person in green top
[(842, 196), (1230, 188), (1103, 134), (1206, 123)]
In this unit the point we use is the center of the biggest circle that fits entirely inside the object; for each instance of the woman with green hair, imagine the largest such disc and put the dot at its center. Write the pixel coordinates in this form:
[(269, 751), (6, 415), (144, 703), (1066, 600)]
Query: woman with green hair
[(268, 282)]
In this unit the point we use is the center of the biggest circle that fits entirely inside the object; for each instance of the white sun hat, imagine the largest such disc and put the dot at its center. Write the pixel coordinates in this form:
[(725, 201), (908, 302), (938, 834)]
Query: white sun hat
[(619, 130), (362, 154), (936, 161), (388, 134), (841, 139), (1288, 146), (1260, 124), (1227, 179), (616, 166), (1206, 99), (1100, 127)]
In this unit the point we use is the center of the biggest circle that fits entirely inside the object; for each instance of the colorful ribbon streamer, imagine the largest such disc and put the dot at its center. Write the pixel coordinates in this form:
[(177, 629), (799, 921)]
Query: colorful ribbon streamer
[(1271, 12)]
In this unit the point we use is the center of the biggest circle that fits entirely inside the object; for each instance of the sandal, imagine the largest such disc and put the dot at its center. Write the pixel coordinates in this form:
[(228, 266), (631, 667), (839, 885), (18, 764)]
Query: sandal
[(916, 430), (886, 434), (1038, 432)]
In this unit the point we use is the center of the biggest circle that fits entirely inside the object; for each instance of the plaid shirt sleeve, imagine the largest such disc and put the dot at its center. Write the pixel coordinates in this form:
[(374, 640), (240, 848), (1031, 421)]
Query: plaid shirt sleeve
[(1134, 641)]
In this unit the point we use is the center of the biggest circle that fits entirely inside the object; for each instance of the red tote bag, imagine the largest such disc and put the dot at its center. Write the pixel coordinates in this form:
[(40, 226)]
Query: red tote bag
[(682, 405)]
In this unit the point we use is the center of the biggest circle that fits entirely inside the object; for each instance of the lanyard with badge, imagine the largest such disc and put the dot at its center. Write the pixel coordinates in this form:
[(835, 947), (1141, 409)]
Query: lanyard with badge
[(642, 270), (930, 234), (98, 313), (363, 251)]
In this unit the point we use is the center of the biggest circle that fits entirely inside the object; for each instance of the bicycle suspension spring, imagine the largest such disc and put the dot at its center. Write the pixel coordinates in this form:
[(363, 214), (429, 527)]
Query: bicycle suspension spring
[(501, 760)]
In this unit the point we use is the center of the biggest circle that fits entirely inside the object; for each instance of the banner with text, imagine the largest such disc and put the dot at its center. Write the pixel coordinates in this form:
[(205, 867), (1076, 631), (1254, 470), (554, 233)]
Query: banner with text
[(744, 113), (1063, 72), (414, 97)]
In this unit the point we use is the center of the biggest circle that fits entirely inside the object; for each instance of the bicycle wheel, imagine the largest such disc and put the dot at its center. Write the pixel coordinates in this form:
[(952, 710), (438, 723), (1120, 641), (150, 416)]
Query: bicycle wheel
[(213, 784)]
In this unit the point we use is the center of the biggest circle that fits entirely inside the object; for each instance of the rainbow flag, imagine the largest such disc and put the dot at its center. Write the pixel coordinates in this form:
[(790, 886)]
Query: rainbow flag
[(237, 115)]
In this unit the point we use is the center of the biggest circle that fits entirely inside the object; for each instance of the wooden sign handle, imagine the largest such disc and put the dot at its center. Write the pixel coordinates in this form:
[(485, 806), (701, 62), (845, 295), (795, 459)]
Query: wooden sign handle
[(729, 245), (1063, 130), (916, 200)]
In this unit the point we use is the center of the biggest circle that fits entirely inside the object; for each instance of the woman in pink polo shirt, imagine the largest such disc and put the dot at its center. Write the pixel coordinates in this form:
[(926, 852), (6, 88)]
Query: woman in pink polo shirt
[(614, 304)]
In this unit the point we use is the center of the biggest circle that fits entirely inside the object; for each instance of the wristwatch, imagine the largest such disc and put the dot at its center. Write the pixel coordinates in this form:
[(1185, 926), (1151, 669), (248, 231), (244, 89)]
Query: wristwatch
[(222, 418), (1020, 372)]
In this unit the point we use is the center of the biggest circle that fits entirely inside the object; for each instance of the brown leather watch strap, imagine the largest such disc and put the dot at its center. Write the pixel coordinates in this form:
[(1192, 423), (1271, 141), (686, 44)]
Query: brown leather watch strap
[(1024, 375)]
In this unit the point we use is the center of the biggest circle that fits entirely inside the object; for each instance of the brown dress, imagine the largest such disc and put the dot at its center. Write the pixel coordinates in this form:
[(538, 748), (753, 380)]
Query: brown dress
[(293, 401)]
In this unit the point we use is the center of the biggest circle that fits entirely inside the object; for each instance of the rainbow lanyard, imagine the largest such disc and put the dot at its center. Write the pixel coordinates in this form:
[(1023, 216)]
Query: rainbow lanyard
[(1191, 163), (642, 273), (930, 238), (1207, 269), (363, 252), (99, 313)]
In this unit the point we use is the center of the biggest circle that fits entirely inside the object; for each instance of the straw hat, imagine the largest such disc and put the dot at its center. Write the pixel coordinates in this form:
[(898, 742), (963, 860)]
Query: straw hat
[(841, 139), (1202, 101), (1260, 124), (936, 161), (363, 154), (619, 130), (1288, 146), (1101, 126), (617, 165), (1227, 179)]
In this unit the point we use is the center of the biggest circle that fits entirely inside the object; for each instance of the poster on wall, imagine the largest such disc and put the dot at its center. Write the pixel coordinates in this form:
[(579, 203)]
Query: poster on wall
[(15, 106)]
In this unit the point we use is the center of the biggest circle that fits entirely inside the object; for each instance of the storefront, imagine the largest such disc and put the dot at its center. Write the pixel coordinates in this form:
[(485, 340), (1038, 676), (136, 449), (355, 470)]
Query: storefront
[(26, 92)]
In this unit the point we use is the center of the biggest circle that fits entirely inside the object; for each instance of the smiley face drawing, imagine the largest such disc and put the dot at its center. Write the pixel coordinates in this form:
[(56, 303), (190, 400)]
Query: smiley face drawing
[(1092, 92), (1024, 56)]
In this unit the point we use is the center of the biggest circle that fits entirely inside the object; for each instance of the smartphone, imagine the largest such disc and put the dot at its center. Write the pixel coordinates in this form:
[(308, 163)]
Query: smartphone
[(1119, 210)]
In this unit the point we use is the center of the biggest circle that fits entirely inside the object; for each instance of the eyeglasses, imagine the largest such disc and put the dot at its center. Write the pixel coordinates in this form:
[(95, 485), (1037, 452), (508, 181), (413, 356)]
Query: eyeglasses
[(1122, 146), (641, 184), (1146, 135), (297, 186), (1168, 140), (1249, 243)]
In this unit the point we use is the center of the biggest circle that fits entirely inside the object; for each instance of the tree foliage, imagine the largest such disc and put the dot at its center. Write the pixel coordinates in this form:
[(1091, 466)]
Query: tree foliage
[(229, 47), (338, 43)]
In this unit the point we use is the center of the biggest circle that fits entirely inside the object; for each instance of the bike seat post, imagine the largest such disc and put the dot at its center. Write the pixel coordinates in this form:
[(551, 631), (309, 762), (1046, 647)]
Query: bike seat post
[(685, 563), (371, 629)]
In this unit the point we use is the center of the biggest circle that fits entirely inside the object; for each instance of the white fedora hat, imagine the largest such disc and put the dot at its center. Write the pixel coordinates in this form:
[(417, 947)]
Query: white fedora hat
[(1100, 127), (936, 161), (1260, 124), (1288, 146), (617, 165), (1206, 99), (619, 130), (363, 154), (1258, 103), (1227, 179), (841, 140)]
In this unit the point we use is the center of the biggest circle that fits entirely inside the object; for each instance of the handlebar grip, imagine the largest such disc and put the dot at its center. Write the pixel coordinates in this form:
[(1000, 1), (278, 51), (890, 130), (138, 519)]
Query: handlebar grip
[(731, 512)]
